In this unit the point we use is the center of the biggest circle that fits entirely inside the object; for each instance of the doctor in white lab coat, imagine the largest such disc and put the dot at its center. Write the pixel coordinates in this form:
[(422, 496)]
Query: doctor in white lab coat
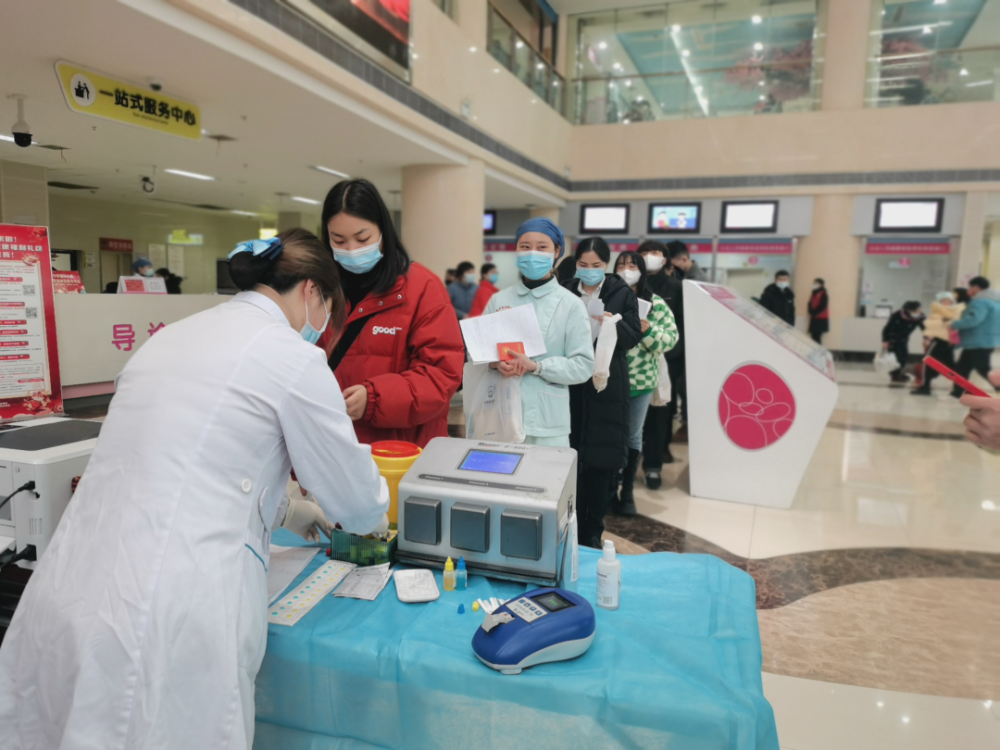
[(145, 623)]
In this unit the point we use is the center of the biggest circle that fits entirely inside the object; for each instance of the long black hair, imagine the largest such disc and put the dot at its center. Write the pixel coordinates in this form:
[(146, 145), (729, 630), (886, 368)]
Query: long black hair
[(595, 244), (641, 288), (361, 199)]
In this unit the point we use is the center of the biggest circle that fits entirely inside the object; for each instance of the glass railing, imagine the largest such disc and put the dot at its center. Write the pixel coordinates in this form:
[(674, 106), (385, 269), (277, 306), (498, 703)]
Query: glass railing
[(904, 75), (748, 89), (514, 52)]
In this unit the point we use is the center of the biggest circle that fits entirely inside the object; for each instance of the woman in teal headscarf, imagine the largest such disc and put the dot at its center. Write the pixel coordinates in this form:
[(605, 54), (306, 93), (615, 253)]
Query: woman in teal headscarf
[(569, 351)]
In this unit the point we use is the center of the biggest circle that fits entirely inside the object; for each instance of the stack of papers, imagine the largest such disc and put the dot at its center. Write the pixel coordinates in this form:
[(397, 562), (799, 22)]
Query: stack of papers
[(365, 583), (483, 334), (284, 567)]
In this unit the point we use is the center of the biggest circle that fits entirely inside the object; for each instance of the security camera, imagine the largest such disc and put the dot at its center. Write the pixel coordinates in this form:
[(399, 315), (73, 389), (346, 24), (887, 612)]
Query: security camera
[(155, 84), (21, 131), (148, 186)]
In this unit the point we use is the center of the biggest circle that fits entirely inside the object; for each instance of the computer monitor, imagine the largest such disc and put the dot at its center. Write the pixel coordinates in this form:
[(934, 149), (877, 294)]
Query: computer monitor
[(749, 217), (909, 215), (604, 218), (489, 222)]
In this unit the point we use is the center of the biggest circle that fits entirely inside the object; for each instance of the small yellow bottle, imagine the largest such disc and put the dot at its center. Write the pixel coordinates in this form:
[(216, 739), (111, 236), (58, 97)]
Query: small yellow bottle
[(449, 575)]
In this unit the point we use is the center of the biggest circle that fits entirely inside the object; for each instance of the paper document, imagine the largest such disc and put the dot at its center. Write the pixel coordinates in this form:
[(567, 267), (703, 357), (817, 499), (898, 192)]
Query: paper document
[(482, 334), (294, 605), (595, 309), (285, 565), (644, 307), (365, 583)]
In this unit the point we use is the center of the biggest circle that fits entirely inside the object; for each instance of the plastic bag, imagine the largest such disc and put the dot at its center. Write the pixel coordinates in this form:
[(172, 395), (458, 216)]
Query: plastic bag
[(492, 405), (886, 362), (663, 392), (604, 349)]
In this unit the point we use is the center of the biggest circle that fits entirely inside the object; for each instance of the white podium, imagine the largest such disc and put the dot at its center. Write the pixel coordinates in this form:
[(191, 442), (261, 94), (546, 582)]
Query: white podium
[(759, 396)]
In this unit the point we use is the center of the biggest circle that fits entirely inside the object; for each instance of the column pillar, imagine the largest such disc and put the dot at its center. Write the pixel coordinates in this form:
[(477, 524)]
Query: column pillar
[(291, 220), (845, 50), (970, 248), (443, 214), (552, 214), (833, 254), (24, 194), (471, 18)]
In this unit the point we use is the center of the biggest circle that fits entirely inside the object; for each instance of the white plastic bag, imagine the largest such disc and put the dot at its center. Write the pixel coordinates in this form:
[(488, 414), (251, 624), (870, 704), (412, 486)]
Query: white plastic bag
[(663, 392), (604, 349), (886, 362), (492, 405)]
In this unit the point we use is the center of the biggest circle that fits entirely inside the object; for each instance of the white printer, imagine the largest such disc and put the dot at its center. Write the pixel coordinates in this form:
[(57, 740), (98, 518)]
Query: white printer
[(504, 507), (39, 461)]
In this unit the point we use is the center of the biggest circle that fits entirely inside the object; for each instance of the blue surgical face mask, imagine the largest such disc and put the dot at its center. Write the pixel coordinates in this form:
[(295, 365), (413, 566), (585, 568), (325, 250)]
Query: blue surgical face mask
[(781, 284), (310, 334), (358, 261), (534, 264), (493, 278), (148, 272), (590, 276), (470, 278)]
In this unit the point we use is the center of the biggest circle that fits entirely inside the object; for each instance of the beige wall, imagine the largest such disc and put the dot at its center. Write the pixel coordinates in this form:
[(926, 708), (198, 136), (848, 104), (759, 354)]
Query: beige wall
[(845, 50), (78, 224), (443, 214), (24, 194)]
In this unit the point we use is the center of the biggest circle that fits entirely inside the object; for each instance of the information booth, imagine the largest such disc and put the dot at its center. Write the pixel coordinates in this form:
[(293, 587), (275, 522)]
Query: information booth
[(759, 396)]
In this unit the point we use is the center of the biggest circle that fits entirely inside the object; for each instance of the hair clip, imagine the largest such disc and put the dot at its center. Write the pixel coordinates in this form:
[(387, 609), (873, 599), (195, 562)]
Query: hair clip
[(266, 249)]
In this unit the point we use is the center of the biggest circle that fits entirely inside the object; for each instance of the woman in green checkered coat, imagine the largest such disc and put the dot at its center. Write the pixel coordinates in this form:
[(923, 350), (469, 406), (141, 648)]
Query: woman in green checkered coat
[(659, 335)]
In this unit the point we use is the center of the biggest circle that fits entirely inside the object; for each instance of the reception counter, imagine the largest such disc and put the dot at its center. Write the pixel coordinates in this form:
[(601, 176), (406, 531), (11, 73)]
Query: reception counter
[(98, 333)]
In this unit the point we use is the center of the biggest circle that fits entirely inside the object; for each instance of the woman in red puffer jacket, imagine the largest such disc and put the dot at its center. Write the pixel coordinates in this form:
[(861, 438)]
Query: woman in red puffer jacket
[(399, 360)]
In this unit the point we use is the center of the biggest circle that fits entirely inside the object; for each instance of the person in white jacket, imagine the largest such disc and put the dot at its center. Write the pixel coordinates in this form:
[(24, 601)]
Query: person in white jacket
[(145, 622)]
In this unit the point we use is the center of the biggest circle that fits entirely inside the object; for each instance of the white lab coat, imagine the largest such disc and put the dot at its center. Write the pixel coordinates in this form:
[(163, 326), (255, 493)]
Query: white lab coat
[(145, 623)]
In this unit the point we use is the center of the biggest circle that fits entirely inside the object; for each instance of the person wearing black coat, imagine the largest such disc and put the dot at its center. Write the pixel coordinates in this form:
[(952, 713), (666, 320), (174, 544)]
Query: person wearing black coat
[(896, 336), (819, 311), (779, 298), (599, 420)]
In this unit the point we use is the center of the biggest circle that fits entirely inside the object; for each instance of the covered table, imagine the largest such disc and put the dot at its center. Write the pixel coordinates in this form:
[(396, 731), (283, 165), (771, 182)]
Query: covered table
[(677, 666)]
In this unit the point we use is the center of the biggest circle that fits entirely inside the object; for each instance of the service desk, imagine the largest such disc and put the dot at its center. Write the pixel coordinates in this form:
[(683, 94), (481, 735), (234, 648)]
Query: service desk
[(678, 666)]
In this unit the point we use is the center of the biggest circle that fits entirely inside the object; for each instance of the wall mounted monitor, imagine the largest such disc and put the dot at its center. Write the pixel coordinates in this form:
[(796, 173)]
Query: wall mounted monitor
[(674, 218), (489, 222), (909, 215), (604, 219), (749, 217)]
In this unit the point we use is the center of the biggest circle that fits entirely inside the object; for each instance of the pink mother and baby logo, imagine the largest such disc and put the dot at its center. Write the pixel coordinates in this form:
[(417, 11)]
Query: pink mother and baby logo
[(756, 407)]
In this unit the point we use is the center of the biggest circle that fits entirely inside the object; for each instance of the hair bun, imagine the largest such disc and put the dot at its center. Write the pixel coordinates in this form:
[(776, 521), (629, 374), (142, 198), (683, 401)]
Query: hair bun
[(246, 270)]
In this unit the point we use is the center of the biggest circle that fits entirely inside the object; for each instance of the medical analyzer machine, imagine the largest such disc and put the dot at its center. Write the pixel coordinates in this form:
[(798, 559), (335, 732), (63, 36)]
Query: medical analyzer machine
[(504, 507), (39, 461)]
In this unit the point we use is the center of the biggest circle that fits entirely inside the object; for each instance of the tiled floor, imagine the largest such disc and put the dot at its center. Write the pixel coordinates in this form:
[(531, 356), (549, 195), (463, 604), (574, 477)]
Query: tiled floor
[(879, 589)]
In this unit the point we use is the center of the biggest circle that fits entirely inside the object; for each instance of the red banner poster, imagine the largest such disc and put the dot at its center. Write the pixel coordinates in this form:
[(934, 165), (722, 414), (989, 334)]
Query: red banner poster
[(756, 247), (67, 282), (29, 363), (906, 247)]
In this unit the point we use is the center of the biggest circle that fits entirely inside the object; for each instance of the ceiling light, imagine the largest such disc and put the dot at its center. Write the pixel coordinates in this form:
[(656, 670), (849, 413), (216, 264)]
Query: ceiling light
[(496, 70), (300, 199), (988, 505), (675, 28), (987, 703), (555, 83), (686, 52), (699, 89), (540, 66), (906, 719), (334, 172), (762, 98), (640, 99), (520, 44), (626, 121), (760, 83), (472, 49), (243, 213), (927, 30), (757, 19), (758, 46), (880, 704), (192, 175), (534, 101), (978, 83), (415, 55), (963, 72), (602, 45), (628, 84), (940, 2)]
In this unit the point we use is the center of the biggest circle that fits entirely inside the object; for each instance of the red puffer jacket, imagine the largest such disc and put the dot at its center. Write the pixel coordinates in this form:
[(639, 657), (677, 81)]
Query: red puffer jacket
[(409, 355)]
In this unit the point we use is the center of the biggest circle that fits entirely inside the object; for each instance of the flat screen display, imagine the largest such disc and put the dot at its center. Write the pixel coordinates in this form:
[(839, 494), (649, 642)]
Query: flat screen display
[(674, 218), (907, 215), (490, 222), (605, 219), (491, 462), (749, 216), (552, 601)]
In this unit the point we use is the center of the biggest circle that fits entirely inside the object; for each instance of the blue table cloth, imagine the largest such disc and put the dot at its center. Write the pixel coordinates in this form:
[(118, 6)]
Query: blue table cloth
[(677, 666)]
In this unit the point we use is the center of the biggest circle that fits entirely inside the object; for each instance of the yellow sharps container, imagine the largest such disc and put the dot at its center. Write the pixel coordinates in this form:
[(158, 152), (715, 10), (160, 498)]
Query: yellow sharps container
[(394, 458)]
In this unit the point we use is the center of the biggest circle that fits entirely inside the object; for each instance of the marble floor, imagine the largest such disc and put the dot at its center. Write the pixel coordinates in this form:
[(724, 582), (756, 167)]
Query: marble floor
[(878, 591)]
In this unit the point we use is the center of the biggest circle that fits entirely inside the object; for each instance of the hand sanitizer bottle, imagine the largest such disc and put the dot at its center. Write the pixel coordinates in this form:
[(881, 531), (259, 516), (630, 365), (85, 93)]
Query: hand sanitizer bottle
[(449, 575), (609, 578)]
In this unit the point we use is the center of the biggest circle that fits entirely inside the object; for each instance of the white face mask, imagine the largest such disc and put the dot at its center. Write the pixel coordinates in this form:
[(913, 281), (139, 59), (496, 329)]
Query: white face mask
[(630, 276), (654, 263)]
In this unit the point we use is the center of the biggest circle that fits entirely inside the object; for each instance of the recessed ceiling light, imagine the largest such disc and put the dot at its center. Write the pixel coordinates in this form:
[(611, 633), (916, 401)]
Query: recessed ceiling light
[(758, 46), (963, 72), (192, 175), (540, 66), (472, 49), (760, 83), (699, 89), (906, 719), (757, 19), (879, 704), (243, 213), (520, 44), (602, 45), (675, 28), (415, 55), (496, 70), (300, 199), (927, 29), (334, 172), (762, 98), (628, 84), (940, 2), (686, 53)]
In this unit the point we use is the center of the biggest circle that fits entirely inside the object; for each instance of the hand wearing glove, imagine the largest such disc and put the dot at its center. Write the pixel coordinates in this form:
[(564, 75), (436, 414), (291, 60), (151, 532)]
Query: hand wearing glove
[(306, 519), (383, 526)]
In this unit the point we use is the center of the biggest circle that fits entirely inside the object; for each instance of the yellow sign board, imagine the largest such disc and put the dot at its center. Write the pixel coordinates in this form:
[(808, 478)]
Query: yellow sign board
[(97, 95), (181, 237)]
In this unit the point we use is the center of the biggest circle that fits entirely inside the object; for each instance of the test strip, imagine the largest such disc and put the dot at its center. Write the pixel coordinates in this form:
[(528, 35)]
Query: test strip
[(293, 607)]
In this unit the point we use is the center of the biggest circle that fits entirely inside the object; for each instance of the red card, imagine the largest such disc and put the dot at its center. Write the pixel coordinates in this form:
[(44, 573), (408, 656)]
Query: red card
[(514, 346)]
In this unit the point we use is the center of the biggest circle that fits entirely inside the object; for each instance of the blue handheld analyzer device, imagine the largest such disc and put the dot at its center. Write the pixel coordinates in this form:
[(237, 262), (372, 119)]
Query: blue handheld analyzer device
[(540, 626)]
